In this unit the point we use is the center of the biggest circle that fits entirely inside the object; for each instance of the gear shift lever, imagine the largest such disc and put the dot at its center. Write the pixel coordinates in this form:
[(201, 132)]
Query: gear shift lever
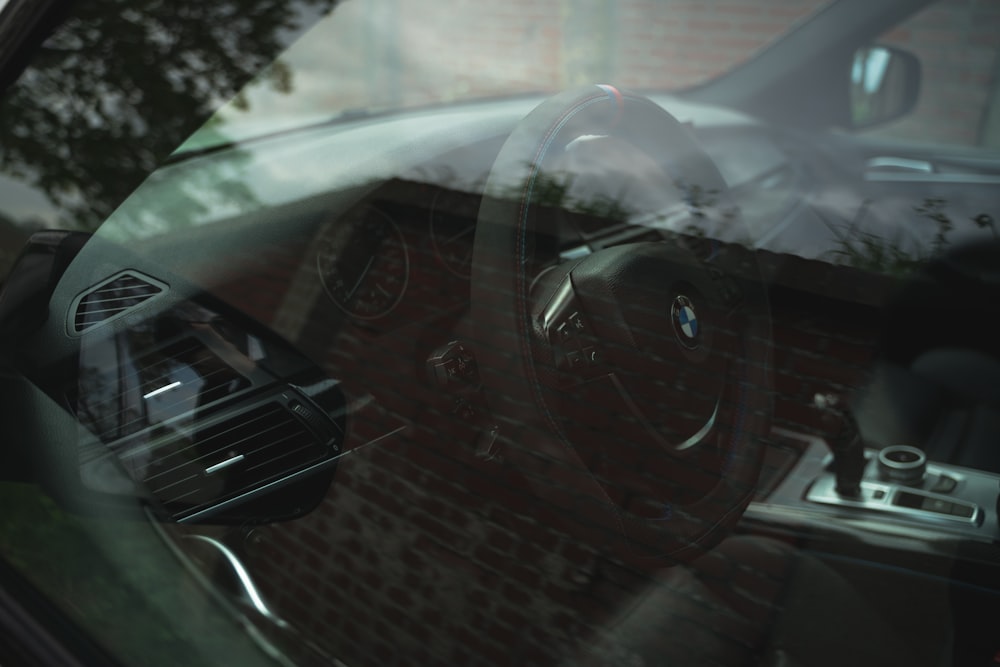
[(846, 444)]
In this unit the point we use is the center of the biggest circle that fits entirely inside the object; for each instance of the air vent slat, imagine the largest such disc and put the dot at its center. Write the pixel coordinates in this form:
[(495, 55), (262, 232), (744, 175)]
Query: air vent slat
[(101, 306), (236, 443), (276, 444), (94, 311), (174, 483), (190, 492), (280, 456), (228, 438)]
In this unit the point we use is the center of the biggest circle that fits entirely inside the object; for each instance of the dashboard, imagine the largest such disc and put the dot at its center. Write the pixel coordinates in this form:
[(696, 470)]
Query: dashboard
[(363, 265)]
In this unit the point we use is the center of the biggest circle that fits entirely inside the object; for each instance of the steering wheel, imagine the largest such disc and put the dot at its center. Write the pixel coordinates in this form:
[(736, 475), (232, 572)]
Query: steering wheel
[(630, 385)]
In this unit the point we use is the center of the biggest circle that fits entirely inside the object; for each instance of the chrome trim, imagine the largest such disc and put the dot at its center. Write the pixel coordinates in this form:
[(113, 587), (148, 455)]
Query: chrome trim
[(921, 177), (250, 591), (900, 163), (703, 431), (904, 472), (225, 464), (803, 488), (578, 252), (163, 389), (557, 306), (172, 542)]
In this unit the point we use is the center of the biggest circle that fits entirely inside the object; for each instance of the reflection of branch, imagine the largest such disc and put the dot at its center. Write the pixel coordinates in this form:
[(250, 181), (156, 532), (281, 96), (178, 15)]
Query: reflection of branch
[(983, 221), (932, 208), (49, 48), (866, 250), (552, 190), (697, 198)]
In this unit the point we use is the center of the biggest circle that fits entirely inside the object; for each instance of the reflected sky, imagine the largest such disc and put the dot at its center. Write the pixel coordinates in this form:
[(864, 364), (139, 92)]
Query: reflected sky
[(26, 205), (869, 69)]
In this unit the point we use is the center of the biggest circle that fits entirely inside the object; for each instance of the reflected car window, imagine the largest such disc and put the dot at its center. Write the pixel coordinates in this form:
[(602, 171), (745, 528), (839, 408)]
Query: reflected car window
[(581, 332)]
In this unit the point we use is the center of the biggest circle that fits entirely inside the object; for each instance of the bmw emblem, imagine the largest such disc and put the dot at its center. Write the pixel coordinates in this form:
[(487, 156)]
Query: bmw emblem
[(686, 326)]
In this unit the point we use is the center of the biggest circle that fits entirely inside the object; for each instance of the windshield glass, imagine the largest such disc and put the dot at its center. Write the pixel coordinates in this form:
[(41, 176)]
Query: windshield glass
[(367, 57)]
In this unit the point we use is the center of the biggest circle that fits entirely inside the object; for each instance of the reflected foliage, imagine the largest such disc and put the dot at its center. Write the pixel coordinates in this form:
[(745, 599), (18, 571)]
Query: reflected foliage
[(862, 248), (115, 89), (556, 192)]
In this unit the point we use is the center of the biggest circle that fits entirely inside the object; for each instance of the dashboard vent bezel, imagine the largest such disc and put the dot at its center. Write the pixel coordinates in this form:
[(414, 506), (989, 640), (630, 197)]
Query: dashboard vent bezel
[(80, 322)]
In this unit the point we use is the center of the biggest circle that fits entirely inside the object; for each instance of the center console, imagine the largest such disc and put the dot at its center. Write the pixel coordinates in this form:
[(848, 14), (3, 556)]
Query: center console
[(898, 487)]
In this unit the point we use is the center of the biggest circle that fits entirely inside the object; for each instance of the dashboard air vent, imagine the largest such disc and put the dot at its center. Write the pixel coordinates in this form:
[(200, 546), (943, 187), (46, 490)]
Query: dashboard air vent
[(111, 299), (229, 457)]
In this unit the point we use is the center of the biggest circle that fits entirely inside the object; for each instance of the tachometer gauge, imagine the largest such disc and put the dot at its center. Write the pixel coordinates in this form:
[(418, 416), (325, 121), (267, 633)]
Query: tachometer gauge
[(364, 263), (453, 232)]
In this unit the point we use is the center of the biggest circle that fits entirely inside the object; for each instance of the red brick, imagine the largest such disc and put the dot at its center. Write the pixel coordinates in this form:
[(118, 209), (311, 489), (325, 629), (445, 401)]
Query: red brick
[(826, 370)]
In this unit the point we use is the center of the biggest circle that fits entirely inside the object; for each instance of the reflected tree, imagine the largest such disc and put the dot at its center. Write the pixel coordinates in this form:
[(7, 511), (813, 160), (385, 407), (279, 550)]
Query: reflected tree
[(116, 88), (862, 248)]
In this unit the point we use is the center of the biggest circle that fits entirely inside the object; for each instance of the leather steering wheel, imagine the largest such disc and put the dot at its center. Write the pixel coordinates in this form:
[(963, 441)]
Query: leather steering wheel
[(630, 385)]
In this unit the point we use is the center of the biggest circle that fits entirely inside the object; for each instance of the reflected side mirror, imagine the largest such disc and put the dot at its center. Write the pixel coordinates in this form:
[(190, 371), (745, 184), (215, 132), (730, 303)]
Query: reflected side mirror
[(884, 84)]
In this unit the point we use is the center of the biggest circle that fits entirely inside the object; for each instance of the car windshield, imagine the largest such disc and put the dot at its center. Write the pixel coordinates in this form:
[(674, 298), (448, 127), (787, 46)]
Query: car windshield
[(569, 332)]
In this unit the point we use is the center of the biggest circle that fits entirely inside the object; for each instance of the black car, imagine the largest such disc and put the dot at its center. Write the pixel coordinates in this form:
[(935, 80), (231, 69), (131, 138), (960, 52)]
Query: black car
[(582, 332)]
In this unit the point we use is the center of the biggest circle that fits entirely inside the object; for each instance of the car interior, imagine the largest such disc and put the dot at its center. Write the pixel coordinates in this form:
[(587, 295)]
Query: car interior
[(568, 378)]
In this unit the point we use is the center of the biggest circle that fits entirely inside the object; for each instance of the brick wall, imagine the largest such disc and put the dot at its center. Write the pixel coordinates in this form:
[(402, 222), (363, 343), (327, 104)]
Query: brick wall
[(957, 44), (694, 41), (404, 52), (424, 554)]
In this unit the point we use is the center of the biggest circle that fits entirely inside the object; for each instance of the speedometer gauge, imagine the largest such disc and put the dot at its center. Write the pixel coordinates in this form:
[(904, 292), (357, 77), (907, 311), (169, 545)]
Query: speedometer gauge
[(364, 263), (453, 232)]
